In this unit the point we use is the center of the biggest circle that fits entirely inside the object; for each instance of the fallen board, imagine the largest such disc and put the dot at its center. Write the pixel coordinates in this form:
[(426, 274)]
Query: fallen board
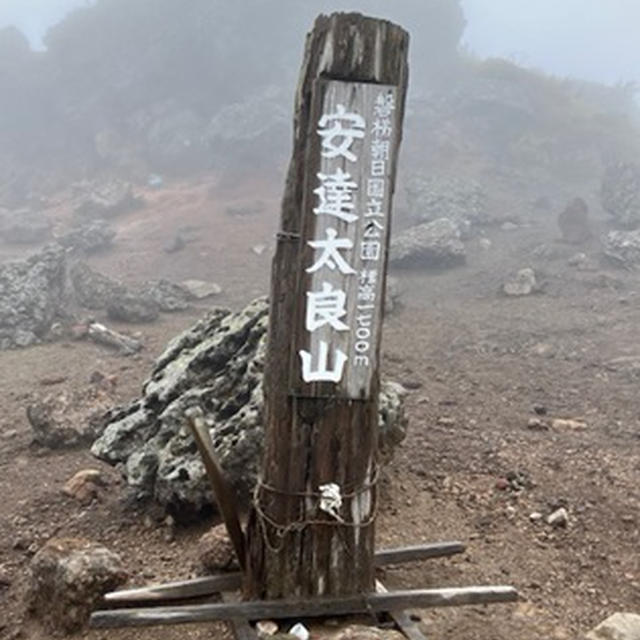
[(197, 587), (402, 619), (318, 607)]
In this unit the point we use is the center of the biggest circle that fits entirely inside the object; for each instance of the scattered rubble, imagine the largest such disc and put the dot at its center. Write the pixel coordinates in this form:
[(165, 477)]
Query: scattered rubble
[(217, 365), (68, 578), (434, 244)]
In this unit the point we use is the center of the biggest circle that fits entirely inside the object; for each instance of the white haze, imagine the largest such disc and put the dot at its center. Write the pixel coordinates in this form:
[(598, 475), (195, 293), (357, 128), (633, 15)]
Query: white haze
[(590, 39)]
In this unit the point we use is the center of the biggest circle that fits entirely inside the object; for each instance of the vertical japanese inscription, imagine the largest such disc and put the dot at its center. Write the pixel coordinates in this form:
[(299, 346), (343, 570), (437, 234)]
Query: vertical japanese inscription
[(348, 182)]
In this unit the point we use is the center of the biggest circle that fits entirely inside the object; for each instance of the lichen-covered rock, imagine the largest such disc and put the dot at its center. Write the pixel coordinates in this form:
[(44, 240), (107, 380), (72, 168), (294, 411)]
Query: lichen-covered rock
[(218, 366), (166, 295), (89, 237), (620, 194), (524, 283), (623, 248), (32, 294), (434, 244), (94, 290), (68, 578)]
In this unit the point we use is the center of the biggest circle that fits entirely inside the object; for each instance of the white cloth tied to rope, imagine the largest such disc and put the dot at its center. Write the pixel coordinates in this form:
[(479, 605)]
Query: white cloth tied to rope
[(330, 499)]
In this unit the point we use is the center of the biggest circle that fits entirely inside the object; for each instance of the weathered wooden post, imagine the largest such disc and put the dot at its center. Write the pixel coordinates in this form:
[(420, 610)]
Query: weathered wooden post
[(311, 531)]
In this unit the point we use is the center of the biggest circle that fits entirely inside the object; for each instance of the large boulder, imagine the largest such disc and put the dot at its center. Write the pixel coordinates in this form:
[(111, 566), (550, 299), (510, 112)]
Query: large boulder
[(216, 365), (32, 294), (623, 248), (94, 290), (89, 237), (620, 194), (68, 578), (432, 197), (434, 244)]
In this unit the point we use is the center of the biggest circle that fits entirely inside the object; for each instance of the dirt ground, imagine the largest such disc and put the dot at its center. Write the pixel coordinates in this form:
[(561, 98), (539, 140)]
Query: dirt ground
[(478, 367)]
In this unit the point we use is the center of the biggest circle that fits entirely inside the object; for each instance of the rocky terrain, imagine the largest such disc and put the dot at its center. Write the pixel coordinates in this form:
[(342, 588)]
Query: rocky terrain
[(133, 271)]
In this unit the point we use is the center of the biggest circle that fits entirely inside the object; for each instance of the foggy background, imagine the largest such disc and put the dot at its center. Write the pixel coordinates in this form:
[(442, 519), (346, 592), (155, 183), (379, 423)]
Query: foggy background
[(590, 39)]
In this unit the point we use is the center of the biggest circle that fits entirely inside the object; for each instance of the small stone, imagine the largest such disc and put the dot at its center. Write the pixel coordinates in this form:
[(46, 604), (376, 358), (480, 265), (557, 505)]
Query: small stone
[(536, 424), (199, 289), (540, 410), (485, 244), (215, 552), (85, 485), (536, 516), (559, 518), (502, 484), (266, 628), (9, 434), (569, 423), (509, 226), (259, 249)]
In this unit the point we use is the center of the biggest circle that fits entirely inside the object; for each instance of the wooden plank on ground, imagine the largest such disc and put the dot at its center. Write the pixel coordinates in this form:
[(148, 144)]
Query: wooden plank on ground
[(408, 627), (198, 587), (309, 608), (241, 628)]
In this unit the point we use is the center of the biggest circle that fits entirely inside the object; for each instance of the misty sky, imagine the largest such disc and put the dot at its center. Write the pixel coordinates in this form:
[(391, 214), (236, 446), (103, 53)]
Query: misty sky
[(591, 39)]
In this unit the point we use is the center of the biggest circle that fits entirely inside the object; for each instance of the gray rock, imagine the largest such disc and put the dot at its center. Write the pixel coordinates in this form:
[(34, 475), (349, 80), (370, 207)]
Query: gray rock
[(200, 289), (32, 296), (133, 307), (166, 295), (94, 290), (216, 365), (430, 245), (559, 518), (68, 419), (462, 202), (623, 248), (68, 578), (619, 626), (108, 200), (620, 194), (89, 237), (523, 284)]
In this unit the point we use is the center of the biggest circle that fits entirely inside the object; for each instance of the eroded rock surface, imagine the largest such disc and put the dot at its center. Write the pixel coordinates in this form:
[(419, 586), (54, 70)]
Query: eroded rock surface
[(623, 248), (218, 366), (620, 194)]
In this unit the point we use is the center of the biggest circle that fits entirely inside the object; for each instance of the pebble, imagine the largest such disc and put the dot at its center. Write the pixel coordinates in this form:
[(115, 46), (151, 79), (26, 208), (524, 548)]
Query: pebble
[(536, 424), (559, 518), (536, 516)]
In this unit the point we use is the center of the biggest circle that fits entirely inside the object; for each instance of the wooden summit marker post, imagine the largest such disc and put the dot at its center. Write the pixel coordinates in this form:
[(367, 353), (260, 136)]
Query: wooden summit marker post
[(311, 531)]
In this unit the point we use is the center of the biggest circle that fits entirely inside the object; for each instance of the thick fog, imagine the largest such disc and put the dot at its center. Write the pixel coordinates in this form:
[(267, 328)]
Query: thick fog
[(589, 39)]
